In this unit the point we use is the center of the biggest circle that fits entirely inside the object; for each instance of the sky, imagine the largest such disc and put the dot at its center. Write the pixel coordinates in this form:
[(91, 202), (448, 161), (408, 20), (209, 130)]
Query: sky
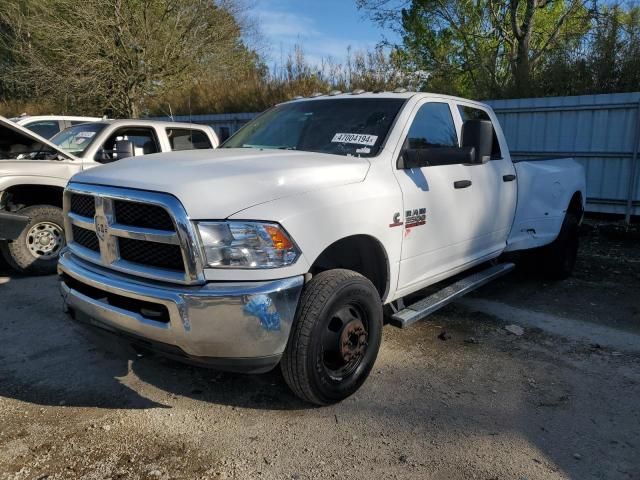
[(324, 28)]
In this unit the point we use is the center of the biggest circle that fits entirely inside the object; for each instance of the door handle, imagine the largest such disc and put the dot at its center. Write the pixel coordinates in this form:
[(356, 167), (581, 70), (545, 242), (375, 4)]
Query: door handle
[(462, 184), (508, 178)]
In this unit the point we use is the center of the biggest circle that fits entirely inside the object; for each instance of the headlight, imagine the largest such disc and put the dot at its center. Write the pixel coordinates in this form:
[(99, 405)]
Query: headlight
[(238, 244)]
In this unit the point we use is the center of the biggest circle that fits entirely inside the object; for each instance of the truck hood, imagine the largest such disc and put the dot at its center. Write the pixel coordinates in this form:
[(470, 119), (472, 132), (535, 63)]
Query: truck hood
[(7, 128), (214, 184)]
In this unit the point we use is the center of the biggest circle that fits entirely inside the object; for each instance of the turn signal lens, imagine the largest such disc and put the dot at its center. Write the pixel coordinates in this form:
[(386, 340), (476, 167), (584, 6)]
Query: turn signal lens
[(279, 239)]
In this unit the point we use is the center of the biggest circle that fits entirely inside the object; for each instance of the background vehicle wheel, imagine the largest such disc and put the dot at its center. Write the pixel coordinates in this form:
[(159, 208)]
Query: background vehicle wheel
[(37, 248), (559, 257), (335, 338)]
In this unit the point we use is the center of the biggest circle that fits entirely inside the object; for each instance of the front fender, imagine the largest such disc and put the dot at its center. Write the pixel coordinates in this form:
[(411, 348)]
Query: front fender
[(316, 220)]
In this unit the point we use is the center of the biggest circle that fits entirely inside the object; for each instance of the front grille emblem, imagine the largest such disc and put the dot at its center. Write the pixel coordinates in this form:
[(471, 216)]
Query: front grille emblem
[(102, 227)]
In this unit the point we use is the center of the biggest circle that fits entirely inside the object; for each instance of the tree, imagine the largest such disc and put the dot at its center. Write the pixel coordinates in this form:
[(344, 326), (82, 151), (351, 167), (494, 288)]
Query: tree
[(481, 48), (118, 55)]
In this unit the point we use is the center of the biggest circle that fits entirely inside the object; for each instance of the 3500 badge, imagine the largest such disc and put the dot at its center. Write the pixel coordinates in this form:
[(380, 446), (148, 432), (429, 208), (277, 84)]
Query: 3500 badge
[(413, 218)]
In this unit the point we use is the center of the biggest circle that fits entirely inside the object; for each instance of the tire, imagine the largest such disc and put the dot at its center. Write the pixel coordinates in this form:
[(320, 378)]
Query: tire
[(558, 259), (25, 254), (335, 338)]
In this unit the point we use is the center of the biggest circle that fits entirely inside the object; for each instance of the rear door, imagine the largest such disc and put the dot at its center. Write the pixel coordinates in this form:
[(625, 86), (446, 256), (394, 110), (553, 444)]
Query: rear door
[(437, 215), (494, 186)]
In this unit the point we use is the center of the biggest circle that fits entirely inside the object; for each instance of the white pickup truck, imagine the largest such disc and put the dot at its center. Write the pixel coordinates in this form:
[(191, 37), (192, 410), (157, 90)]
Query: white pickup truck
[(296, 240), (34, 172)]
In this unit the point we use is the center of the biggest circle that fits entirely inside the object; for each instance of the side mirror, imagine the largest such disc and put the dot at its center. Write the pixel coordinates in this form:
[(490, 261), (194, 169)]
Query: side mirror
[(102, 156), (434, 156), (478, 134), (124, 149)]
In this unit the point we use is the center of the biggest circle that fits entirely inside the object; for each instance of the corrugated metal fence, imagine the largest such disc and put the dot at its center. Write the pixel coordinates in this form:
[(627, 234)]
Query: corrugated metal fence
[(601, 131)]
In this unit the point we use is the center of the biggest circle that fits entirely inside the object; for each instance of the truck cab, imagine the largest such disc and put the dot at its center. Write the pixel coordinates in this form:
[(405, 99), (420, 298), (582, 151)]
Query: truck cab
[(34, 172), (307, 230)]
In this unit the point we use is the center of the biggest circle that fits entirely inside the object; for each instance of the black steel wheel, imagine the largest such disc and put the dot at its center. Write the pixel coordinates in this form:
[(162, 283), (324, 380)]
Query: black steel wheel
[(335, 338), (558, 259)]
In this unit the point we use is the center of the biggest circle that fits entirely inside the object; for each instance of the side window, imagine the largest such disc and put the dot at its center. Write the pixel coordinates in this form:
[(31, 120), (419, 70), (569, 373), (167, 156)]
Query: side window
[(45, 129), (187, 139), (433, 127), (144, 142), (470, 113)]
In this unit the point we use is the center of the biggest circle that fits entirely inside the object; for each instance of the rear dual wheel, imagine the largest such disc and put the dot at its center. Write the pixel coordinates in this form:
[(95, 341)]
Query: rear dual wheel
[(335, 338), (558, 259)]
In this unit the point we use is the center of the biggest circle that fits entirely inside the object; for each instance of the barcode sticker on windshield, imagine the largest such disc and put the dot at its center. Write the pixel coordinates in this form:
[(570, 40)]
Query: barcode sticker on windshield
[(356, 138), (85, 134)]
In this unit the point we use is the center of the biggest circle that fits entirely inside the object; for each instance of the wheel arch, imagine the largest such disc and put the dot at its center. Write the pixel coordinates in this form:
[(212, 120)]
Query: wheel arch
[(361, 253), (576, 205), (27, 195)]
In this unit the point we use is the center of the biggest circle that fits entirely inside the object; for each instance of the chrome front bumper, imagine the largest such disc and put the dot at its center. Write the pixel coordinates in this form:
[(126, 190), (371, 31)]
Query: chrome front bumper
[(242, 326)]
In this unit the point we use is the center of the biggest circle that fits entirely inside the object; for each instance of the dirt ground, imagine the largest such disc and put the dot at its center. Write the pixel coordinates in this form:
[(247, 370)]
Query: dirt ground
[(454, 397)]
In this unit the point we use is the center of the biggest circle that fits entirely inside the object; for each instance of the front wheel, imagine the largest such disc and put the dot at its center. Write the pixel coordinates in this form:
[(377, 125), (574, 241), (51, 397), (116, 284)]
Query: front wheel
[(335, 337), (37, 248)]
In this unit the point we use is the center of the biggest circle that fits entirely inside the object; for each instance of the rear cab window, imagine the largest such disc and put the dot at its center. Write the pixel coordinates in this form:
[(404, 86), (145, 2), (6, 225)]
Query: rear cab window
[(188, 139), (471, 113)]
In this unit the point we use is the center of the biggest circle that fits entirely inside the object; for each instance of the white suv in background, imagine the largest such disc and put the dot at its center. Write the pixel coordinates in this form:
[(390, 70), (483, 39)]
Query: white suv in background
[(34, 172), (49, 125)]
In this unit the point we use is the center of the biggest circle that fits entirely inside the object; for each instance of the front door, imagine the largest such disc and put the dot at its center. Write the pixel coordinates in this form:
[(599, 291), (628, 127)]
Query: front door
[(438, 202), (496, 182)]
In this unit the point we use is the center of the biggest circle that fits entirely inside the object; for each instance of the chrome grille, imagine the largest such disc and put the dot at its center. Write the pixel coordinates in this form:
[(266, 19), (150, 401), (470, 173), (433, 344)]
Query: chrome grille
[(142, 233)]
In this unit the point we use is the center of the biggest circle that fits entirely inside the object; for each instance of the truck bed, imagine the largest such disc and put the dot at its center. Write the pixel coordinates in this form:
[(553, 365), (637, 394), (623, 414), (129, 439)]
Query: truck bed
[(545, 189)]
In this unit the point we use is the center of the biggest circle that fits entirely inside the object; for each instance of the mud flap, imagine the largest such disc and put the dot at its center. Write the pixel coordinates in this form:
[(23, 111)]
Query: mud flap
[(12, 225)]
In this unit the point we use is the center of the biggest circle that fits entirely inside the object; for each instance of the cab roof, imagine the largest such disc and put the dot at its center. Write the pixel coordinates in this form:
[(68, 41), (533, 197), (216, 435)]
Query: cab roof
[(154, 123), (404, 95)]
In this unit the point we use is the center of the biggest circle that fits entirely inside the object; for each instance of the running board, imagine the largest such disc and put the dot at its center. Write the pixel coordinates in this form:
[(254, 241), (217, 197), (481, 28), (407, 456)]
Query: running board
[(439, 299)]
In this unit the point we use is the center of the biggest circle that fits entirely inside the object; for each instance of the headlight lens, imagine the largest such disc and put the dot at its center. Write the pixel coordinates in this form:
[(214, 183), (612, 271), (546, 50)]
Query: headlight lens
[(246, 245)]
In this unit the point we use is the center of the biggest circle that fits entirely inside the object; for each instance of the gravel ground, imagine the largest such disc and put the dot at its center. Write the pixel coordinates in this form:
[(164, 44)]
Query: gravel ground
[(559, 401)]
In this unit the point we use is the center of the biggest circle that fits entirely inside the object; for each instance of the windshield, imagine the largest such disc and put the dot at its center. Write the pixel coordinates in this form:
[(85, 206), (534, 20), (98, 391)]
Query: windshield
[(340, 127), (75, 140)]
